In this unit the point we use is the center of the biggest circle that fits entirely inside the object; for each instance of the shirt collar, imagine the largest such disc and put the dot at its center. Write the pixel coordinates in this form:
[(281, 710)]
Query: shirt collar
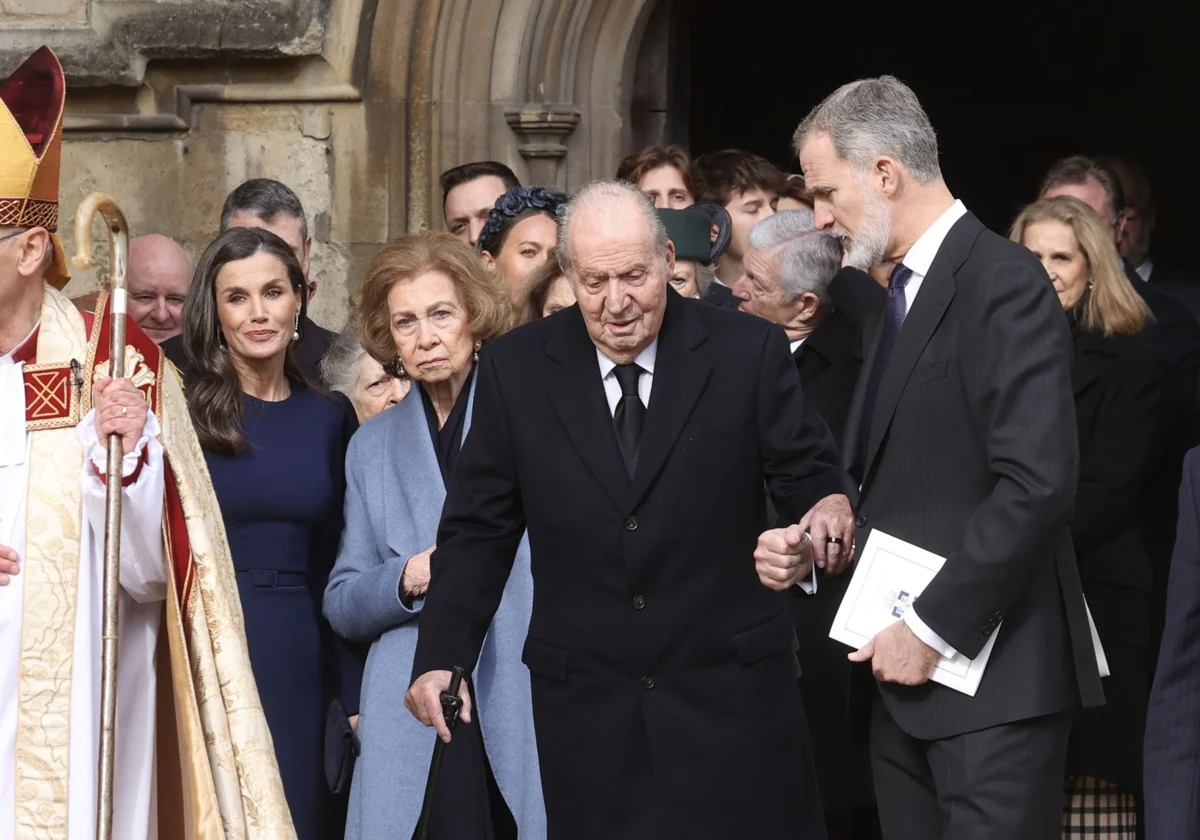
[(1145, 269), (644, 360), (920, 256), (26, 349)]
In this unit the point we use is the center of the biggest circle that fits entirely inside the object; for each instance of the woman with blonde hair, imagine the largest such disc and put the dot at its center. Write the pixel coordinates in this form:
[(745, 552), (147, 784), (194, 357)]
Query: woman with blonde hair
[(1117, 384), (427, 308)]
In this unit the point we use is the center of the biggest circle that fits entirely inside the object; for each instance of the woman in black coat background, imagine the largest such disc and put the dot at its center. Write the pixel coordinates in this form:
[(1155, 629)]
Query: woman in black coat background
[(1117, 386)]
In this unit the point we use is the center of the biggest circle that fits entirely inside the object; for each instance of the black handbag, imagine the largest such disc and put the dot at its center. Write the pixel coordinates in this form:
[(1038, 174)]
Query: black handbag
[(341, 748)]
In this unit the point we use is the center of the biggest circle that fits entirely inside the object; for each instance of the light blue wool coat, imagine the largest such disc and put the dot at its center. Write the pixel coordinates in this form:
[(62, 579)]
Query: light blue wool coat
[(394, 498)]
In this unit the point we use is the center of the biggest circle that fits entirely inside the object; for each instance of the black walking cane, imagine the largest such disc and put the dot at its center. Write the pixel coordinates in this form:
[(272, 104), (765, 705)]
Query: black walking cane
[(451, 706)]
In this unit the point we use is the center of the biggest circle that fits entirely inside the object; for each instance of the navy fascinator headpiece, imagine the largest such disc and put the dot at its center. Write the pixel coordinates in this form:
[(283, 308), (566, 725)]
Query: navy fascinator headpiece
[(512, 204)]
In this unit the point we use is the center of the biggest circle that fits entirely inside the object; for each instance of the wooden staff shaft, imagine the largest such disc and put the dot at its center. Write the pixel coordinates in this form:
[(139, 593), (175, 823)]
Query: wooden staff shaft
[(119, 261)]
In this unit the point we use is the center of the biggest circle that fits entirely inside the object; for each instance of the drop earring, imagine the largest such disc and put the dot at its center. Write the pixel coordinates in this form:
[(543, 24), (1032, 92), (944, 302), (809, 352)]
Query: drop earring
[(478, 347), (1091, 283), (296, 329), (397, 367), (221, 339)]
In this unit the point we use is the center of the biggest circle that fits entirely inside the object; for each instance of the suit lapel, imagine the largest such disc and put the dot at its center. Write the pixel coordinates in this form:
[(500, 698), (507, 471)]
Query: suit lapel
[(681, 371), (577, 395), (934, 296), (1092, 354), (415, 483), (851, 448)]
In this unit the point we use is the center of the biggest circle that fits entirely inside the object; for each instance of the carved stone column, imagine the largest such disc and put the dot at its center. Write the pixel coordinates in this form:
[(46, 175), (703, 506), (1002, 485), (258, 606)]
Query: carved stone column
[(543, 131)]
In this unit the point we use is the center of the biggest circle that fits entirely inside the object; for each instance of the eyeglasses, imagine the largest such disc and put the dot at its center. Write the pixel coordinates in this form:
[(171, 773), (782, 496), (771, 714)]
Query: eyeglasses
[(11, 235)]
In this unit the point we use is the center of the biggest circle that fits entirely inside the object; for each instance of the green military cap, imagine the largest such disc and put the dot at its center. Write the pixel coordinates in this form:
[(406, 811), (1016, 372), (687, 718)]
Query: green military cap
[(690, 230)]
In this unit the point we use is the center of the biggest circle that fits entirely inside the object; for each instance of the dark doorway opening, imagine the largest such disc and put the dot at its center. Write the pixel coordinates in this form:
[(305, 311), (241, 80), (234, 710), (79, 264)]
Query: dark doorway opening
[(1009, 87)]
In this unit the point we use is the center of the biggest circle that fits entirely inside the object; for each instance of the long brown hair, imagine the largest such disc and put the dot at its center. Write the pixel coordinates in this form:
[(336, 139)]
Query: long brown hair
[(214, 390), (1112, 306)]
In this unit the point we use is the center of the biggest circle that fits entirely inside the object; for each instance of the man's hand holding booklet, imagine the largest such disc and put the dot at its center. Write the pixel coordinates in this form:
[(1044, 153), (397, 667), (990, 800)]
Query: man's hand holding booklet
[(889, 576)]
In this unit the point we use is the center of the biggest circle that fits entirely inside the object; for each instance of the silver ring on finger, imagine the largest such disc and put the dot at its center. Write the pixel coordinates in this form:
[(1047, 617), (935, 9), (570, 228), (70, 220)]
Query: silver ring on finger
[(834, 540)]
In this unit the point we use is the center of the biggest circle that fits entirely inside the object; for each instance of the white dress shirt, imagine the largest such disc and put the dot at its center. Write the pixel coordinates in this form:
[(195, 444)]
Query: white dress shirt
[(918, 260), (612, 388), (795, 345), (920, 256), (1145, 269), (645, 360)]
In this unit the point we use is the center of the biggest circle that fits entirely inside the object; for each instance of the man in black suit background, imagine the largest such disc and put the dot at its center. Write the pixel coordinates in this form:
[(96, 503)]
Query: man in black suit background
[(632, 435), (787, 270), (266, 203), (962, 440), (1140, 218), (1172, 759)]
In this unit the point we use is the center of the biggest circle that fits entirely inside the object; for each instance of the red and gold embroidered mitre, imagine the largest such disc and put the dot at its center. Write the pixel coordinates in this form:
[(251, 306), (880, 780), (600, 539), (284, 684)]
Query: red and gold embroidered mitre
[(31, 116)]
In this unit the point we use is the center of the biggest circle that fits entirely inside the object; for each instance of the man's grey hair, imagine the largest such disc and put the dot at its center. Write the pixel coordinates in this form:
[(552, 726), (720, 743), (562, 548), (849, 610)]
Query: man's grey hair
[(804, 259), (603, 194), (339, 365), (266, 199), (872, 118)]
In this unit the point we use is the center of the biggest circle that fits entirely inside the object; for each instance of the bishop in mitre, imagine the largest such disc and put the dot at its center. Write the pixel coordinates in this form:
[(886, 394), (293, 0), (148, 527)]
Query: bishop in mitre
[(194, 757)]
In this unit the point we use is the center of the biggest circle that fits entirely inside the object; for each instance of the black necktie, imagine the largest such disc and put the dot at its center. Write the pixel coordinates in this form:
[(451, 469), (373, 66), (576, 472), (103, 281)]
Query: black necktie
[(893, 319), (630, 414)]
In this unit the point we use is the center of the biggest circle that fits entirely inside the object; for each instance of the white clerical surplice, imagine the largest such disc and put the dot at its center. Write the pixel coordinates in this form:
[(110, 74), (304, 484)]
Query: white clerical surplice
[(143, 588)]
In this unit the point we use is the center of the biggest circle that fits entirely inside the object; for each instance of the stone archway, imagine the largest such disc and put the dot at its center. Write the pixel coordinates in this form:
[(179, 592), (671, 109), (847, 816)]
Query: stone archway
[(356, 104), (543, 85)]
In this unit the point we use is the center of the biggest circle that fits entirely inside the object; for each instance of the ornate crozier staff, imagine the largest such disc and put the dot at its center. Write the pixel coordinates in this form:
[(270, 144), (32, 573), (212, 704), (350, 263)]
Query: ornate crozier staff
[(118, 265)]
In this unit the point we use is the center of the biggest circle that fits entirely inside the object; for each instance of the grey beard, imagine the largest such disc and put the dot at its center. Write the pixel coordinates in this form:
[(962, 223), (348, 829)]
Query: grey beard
[(868, 247)]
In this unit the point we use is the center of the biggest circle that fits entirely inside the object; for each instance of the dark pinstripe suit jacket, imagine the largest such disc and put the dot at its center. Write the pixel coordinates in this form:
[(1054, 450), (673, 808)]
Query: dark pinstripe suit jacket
[(1172, 757), (972, 454)]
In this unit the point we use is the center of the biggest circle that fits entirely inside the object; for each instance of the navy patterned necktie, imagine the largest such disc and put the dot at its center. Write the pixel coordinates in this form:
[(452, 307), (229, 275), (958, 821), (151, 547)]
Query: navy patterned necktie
[(894, 311), (630, 414)]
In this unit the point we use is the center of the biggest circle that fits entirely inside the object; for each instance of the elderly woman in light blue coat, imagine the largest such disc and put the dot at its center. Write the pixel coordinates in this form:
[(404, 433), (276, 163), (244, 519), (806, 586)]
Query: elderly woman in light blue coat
[(426, 308)]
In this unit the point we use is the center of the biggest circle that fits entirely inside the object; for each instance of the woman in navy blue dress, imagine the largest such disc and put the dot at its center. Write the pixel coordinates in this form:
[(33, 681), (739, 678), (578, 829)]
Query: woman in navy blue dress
[(276, 451)]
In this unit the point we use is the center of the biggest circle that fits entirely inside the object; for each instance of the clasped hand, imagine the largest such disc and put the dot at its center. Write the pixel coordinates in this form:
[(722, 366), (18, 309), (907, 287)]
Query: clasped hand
[(424, 700), (783, 558), (120, 409), (824, 536)]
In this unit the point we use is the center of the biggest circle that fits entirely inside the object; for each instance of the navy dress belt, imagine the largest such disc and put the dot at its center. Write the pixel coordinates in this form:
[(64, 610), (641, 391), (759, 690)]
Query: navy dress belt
[(269, 578)]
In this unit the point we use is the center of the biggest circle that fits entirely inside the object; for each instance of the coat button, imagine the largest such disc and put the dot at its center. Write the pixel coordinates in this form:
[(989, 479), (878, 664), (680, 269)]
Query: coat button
[(647, 683), (631, 523), (639, 602), (861, 522)]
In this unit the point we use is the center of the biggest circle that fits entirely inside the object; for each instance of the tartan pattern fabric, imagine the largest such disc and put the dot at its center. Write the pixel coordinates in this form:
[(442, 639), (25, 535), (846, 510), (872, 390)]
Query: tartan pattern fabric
[(28, 213), (1094, 808)]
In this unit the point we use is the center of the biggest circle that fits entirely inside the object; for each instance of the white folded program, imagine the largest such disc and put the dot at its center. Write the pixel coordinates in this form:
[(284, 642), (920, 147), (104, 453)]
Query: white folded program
[(890, 574)]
